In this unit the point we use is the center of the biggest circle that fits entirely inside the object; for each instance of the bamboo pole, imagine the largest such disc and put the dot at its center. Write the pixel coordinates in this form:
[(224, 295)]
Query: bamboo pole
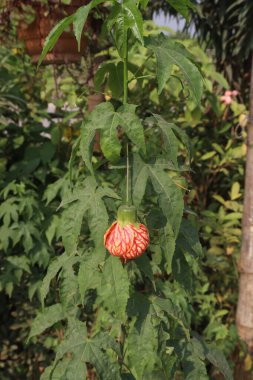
[(244, 316)]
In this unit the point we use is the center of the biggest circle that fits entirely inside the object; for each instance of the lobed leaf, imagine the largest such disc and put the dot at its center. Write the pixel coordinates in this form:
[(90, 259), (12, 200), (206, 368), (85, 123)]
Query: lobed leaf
[(47, 318), (114, 75), (170, 196), (125, 17), (188, 239), (169, 53), (54, 35), (172, 310), (72, 218), (106, 120), (132, 125), (182, 6), (54, 267), (181, 270), (215, 356), (88, 350), (89, 275), (142, 341), (114, 291)]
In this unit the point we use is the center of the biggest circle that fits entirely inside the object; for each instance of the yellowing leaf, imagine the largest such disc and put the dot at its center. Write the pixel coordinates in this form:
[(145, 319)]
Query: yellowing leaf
[(208, 155), (235, 191)]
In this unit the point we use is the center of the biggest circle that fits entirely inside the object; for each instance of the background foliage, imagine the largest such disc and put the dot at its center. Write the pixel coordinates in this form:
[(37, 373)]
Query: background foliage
[(166, 297)]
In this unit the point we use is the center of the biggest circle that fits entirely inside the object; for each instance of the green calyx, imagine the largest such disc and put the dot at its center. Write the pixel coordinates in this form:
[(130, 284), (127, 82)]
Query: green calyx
[(127, 215)]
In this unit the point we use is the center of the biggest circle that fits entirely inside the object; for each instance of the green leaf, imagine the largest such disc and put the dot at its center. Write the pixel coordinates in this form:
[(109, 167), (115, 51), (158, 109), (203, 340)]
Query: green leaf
[(182, 6), (76, 369), (54, 35), (47, 151), (103, 117), (108, 192), (168, 246), (172, 310), (57, 373), (89, 275), (47, 318), (169, 53), (188, 239), (142, 340), (88, 130), (193, 367), (180, 134), (53, 189), (132, 125), (21, 262), (9, 211), (140, 174), (69, 294), (71, 224), (215, 356), (166, 354), (143, 263), (106, 120), (52, 228), (33, 288), (114, 292), (97, 214), (218, 77), (170, 140), (170, 196), (235, 191), (88, 350), (79, 21), (80, 18), (114, 75), (109, 141), (208, 155), (89, 204), (144, 3), (54, 267), (181, 270), (73, 156), (123, 18)]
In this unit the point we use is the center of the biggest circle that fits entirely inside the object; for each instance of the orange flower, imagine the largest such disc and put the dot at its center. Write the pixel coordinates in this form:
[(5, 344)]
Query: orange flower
[(126, 238)]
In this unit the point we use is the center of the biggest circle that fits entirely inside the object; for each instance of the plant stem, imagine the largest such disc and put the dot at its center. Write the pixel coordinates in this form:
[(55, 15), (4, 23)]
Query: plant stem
[(127, 176), (125, 73), (125, 94)]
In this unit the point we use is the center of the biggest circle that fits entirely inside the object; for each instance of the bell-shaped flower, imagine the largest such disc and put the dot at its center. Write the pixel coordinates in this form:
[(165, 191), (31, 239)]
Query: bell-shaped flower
[(126, 238)]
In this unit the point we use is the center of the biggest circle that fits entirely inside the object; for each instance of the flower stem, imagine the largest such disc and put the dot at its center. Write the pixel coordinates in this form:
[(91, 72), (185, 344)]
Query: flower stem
[(125, 74), (127, 176), (125, 94)]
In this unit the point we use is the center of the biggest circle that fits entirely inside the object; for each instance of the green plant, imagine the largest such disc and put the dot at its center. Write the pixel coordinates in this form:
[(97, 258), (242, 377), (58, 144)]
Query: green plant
[(129, 321), (35, 147)]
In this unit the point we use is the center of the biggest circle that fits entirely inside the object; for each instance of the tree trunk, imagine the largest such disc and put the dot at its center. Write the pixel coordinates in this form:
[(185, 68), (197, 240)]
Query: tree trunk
[(244, 317)]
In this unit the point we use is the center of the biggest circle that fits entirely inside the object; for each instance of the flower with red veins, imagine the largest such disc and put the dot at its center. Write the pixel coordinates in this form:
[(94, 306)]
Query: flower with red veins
[(126, 238)]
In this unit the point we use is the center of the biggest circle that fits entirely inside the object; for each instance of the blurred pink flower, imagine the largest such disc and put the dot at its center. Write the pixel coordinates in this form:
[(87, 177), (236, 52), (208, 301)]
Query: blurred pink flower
[(227, 98)]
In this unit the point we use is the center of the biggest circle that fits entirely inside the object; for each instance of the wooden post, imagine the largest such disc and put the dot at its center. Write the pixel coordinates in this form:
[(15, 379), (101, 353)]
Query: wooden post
[(244, 317)]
